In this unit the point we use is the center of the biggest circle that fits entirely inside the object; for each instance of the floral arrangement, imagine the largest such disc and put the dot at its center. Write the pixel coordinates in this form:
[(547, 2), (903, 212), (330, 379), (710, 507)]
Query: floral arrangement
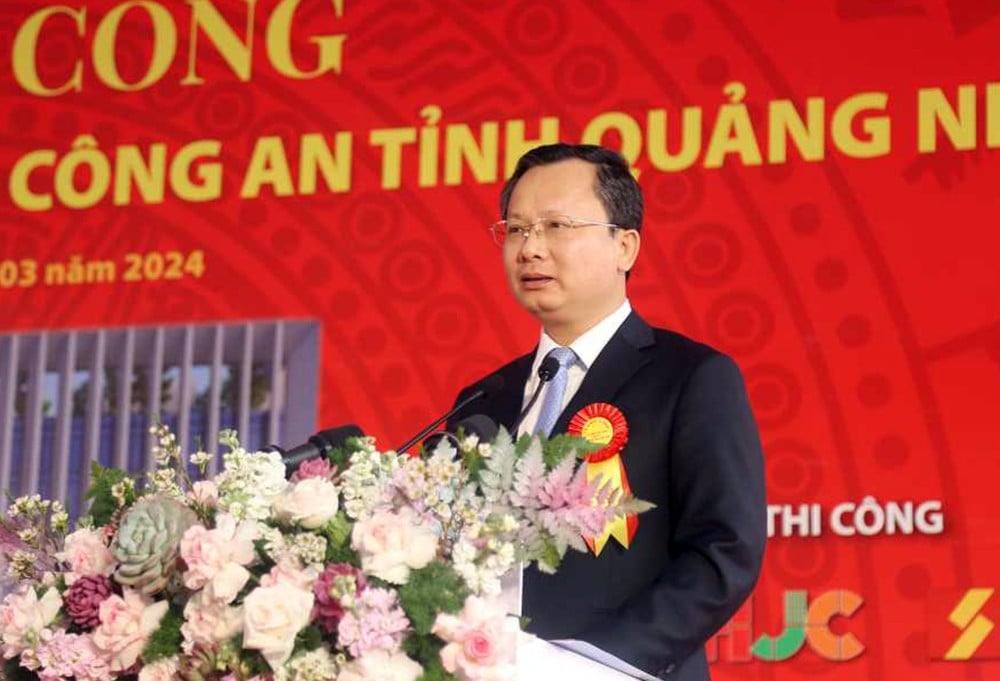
[(366, 565)]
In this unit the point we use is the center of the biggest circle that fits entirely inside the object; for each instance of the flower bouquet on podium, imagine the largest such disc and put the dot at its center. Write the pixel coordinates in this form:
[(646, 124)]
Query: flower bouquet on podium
[(366, 565)]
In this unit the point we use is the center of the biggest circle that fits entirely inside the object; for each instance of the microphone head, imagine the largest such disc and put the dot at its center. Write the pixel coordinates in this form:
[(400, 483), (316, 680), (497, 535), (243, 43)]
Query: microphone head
[(480, 425), (548, 368), (335, 437), (319, 445)]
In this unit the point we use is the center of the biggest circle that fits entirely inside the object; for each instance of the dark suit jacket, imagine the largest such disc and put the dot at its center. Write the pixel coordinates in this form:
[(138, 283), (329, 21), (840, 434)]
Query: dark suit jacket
[(693, 450)]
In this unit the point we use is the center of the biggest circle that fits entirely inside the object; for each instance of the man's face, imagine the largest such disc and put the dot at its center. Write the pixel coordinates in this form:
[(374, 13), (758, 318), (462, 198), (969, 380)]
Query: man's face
[(571, 284)]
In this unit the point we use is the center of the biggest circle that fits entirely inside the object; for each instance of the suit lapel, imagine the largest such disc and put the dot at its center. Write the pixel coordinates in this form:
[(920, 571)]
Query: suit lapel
[(620, 359)]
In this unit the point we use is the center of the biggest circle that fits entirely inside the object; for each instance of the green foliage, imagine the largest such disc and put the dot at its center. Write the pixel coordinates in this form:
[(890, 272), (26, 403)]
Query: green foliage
[(13, 671), (340, 456), (103, 504), (264, 561), (338, 530), (473, 462), (165, 641), (549, 559), (521, 446), (252, 663), (342, 554), (432, 589), (338, 540), (308, 639), (557, 448), (427, 651), (562, 446)]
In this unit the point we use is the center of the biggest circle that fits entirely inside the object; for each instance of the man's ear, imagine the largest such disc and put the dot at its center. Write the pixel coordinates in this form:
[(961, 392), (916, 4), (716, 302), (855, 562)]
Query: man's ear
[(629, 242)]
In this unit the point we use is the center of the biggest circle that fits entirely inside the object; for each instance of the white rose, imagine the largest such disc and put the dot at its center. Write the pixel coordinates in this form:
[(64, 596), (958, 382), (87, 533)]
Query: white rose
[(228, 582), (310, 503), (392, 543), (272, 616), (380, 665)]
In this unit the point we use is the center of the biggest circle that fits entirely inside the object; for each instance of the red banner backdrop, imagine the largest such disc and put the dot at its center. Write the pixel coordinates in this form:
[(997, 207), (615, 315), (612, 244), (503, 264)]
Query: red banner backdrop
[(821, 182)]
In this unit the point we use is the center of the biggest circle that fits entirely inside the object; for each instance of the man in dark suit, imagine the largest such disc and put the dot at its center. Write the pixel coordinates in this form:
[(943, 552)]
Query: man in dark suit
[(570, 235)]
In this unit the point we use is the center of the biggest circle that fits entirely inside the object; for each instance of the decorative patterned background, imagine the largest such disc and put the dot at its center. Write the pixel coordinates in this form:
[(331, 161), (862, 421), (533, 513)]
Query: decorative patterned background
[(858, 295)]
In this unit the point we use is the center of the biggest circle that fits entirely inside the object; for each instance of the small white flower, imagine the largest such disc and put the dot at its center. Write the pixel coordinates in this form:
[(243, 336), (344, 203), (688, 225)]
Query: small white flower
[(22, 564), (60, 521), (201, 459), (308, 549), (316, 665)]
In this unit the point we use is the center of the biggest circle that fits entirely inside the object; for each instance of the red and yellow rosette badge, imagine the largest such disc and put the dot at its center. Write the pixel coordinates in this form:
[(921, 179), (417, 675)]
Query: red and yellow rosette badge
[(604, 424)]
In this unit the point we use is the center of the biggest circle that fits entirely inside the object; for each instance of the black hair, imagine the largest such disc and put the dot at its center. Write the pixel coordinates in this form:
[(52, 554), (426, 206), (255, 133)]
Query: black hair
[(617, 190)]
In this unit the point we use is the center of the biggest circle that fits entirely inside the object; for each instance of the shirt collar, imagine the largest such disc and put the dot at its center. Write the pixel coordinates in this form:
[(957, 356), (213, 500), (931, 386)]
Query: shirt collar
[(589, 345)]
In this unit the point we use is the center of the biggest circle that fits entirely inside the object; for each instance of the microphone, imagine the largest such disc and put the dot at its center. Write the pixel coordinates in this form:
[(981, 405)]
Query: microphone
[(489, 385), (478, 424), (318, 445), (546, 370)]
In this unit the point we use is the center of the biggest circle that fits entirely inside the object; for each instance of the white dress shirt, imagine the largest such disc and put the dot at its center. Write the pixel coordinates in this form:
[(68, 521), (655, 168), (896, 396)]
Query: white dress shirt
[(587, 347)]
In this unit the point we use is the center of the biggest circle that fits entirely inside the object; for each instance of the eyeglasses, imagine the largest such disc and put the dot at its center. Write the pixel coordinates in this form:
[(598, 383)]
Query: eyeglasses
[(554, 228)]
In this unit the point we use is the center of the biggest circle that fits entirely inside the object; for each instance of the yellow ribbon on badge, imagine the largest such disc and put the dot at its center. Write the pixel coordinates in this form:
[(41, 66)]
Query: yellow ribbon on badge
[(613, 473), (604, 424)]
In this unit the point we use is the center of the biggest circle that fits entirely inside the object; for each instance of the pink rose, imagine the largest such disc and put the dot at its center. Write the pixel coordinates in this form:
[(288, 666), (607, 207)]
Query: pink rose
[(391, 543), (216, 557), (127, 621), (381, 665), (286, 572), (206, 493), (209, 622), (313, 468), (272, 617), (86, 553), (24, 616), (481, 641)]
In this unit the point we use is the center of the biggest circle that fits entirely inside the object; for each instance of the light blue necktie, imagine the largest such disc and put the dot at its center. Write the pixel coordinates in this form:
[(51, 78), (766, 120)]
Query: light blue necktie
[(552, 405)]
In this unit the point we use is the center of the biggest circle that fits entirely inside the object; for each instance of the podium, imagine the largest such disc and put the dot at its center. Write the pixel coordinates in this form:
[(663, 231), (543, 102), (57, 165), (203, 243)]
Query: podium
[(539, 660)]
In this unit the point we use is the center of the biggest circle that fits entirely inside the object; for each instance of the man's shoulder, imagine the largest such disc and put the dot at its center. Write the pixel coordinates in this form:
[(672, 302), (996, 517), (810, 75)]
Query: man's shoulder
[(668, 344), (683, 362)]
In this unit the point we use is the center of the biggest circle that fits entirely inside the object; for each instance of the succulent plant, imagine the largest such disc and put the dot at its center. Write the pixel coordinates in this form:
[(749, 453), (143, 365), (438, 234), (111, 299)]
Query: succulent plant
[(148, 542), (207, 663)]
